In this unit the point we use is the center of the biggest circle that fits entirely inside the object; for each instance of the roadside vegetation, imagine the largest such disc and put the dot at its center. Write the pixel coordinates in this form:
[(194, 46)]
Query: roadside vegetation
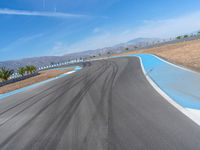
[(6, 73), (30, 69), (188, 35), (21, 71), (42, 76), (182, 37)]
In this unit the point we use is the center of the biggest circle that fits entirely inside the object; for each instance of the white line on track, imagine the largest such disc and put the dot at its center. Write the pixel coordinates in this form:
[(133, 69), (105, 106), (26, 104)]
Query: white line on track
[(193, 114)]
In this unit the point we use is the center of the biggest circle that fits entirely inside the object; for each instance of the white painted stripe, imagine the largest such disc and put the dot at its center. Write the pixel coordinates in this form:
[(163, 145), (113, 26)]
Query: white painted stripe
[(195, 113), (187, 112), (70, 72)]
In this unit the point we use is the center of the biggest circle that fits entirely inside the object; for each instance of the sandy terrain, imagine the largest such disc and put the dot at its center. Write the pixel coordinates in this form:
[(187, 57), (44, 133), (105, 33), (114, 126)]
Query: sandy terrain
[(44, 75), (185, 53)]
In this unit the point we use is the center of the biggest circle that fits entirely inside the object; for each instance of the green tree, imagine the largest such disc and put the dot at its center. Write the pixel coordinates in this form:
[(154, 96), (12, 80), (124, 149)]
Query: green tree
[(5, 73), (186, 36), (127, 49), (30, 69), (27, 68), (178, 37), (21, 71)]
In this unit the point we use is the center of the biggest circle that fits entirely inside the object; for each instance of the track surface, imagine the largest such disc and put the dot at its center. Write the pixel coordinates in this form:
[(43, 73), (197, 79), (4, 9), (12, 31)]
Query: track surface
[(108, 105)]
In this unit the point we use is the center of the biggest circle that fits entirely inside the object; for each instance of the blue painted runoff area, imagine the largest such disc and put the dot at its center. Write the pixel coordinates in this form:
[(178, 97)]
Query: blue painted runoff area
[(182, 85), (62, 68), (76, 68)]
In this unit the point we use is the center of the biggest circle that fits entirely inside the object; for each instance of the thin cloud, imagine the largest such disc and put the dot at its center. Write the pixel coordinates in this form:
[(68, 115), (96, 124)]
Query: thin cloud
[(20, 42), (40, 13), (166, 28)]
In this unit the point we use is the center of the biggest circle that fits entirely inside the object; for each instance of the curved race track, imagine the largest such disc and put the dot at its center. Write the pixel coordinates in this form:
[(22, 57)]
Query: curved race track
[(108, 105)]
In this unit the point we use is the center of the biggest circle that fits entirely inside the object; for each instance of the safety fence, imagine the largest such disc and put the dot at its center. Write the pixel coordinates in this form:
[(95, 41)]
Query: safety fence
[(17, 79)]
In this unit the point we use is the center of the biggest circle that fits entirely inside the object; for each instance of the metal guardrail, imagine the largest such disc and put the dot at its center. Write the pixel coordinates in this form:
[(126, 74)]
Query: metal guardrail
[(17, 79), (60, 64)]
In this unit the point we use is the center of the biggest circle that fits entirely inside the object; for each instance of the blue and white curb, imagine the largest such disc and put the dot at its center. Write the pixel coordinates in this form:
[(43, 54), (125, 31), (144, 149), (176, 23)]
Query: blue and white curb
[(176, 84), (76, 68)]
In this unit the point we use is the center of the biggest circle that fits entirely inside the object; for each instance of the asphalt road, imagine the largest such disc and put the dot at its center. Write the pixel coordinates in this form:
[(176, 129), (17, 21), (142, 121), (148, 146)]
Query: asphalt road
[(108, 105)]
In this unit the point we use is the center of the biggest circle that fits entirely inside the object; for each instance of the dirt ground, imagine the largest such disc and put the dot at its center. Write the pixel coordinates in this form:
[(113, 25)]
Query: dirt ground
[(44, 75), (185, 53)]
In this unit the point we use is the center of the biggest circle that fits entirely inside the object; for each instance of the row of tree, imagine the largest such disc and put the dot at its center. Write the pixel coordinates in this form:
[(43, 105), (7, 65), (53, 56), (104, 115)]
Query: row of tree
[(26, 70), (186, 35), (6, 73)]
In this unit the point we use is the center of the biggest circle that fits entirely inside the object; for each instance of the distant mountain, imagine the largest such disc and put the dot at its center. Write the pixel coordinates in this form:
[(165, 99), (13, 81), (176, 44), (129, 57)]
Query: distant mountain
[(142, 41), (47, 60), (138, 42)]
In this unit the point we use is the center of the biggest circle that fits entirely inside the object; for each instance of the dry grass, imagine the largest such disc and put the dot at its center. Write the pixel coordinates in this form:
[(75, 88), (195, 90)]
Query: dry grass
[(185, 53), (44, 75)]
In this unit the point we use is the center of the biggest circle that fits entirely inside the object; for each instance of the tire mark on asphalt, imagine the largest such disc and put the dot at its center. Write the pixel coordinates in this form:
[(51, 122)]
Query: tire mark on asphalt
[(110, 112), (100, 113), (38, 99), (27, 123), (53, 138)]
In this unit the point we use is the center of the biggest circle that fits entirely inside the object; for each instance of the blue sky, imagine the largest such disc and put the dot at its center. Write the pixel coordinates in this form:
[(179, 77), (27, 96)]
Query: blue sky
[(30, 28)]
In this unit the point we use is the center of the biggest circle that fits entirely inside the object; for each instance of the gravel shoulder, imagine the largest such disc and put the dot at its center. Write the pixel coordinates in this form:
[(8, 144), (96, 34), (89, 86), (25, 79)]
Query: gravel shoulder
[(184, 53)]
